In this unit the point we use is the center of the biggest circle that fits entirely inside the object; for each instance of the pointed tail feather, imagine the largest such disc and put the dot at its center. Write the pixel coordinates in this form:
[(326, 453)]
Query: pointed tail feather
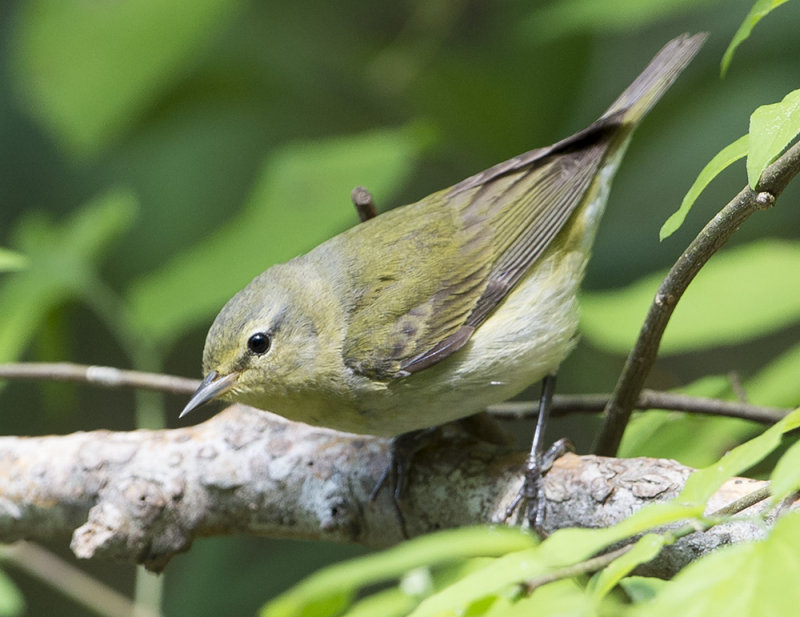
[(657, 77)]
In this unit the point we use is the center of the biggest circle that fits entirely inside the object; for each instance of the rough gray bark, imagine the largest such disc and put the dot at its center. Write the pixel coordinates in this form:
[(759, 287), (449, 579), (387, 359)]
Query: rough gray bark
[(143, 496)]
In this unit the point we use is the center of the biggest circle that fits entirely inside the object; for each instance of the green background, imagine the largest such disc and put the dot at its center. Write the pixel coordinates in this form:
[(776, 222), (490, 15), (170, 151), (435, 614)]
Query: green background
[(156, 155)]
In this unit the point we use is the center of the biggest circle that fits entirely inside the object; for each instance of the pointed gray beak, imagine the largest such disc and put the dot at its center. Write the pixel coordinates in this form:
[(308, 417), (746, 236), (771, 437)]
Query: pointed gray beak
[(212, 387)]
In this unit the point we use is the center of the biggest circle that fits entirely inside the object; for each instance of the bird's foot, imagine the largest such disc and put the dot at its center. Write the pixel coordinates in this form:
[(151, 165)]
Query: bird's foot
[(531, 493)]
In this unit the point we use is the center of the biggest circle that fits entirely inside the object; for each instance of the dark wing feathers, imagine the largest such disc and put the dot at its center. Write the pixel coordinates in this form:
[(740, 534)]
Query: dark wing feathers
[(490, 228), (522, 206)]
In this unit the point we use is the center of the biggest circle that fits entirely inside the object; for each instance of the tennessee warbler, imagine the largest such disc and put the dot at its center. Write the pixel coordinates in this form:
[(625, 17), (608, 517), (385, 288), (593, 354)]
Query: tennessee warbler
[(432, 311)]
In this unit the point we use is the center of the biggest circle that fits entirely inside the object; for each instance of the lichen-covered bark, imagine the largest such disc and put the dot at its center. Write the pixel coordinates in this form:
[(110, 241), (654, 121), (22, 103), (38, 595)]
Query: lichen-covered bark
[(143, 496)]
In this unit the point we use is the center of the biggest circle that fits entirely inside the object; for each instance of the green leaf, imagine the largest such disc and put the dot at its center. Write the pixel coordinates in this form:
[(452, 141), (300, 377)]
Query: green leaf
[(564, 598), (486, 581), (772, 128), (759, 10), (339, 581), (785, 478), (777, 384), (564, 547), (62, 262), (12, 603), (11, 261), (87, 234), (88, 69), (571, 545), (645, 549), (704, 482), (652, 516), (747, 580), (741, 294), (388, 603), (491, 606), (302, 196), (570, 17), (501, 573), (642, 588), (721, 161)]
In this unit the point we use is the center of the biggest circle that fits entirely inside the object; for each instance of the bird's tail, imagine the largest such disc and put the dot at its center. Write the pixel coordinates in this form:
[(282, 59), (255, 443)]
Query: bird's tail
[(656, 78)]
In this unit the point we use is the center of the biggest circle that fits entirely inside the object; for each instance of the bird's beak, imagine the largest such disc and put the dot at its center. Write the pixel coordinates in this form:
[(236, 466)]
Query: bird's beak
[(212, 387)]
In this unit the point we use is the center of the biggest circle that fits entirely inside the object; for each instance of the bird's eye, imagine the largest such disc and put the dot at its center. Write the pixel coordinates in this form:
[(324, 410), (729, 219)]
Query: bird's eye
[(259, 343)]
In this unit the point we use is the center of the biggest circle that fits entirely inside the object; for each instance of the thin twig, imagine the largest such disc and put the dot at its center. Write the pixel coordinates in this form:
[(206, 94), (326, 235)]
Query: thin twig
[(365, 206), (587, 566), (744, 502), (105, 376), (71, 581), (111, 377), (713, 236), (736, 385), (594, 564), (648, 399)]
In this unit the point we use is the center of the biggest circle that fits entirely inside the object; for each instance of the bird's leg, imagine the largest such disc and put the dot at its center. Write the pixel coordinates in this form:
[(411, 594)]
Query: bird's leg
[(365, 206), (539, 462), (402, 450)]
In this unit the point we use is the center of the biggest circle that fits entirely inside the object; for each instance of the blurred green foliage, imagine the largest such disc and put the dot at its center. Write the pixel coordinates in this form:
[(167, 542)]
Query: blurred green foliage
[(11, 601), (177, 296), (62, 265), (88, 71), (11, 260), (750, 278), (156, 155)]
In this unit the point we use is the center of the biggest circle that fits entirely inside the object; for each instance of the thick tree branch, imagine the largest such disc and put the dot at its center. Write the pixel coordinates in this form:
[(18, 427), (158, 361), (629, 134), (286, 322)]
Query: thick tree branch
[(712, 237), (145, 495)]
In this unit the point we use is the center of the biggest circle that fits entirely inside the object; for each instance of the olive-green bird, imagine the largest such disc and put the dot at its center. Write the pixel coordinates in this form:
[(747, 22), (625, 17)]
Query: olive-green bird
[(435, 310)]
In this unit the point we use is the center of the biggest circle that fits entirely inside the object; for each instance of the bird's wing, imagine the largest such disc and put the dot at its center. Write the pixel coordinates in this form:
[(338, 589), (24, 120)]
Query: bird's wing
[(444, 274), (524, 204), (491, 228)]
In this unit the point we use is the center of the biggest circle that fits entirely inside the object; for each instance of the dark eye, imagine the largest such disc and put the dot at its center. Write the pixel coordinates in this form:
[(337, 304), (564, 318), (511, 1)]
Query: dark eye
[(259, 343)]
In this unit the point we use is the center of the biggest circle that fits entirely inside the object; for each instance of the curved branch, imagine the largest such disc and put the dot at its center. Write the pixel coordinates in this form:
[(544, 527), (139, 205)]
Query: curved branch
[(144, 496), (712, 237)]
